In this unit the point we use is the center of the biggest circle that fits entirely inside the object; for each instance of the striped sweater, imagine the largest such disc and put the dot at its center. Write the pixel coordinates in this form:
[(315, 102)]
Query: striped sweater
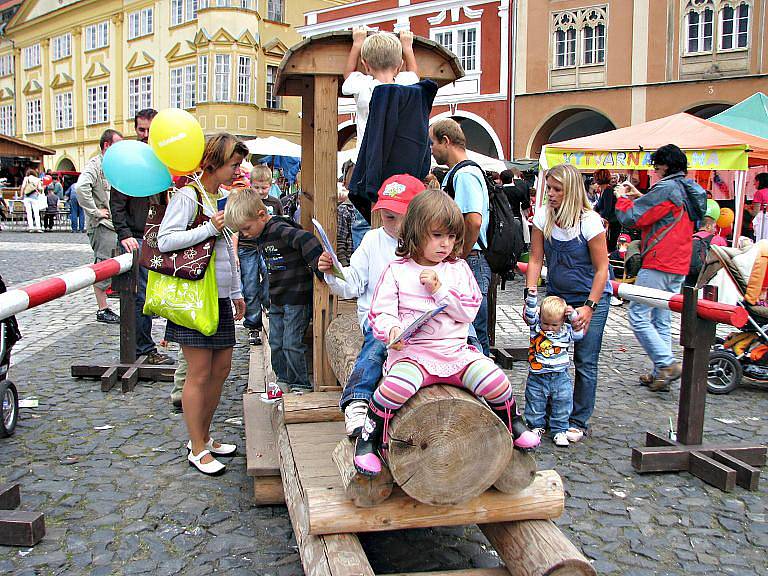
[(548, 352), (291, 255)]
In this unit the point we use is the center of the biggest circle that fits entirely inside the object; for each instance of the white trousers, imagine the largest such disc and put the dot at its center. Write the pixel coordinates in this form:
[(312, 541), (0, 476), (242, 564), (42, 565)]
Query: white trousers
[(33, 213)]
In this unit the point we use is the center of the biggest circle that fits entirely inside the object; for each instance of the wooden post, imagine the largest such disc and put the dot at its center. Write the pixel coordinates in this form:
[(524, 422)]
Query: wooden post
[(493, 289), (324, 173), (307, 193), (126, 284)]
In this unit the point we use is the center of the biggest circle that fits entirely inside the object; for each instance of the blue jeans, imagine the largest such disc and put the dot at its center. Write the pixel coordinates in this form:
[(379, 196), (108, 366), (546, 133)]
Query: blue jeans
[(482, 272), (586, 353), (76, 215), (538, 389), (287, 325), (144, 342), (367, 371), (255, 285), (651, 325), (359, 227)]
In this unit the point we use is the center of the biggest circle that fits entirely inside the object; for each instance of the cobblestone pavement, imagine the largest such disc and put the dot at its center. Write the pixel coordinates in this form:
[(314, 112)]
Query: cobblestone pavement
[(108, 470)]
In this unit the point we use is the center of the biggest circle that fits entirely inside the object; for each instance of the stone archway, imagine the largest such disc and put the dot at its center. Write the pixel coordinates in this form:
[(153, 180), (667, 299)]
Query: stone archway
[(568, 124), (708, 110), (480, 135), (66, 165)]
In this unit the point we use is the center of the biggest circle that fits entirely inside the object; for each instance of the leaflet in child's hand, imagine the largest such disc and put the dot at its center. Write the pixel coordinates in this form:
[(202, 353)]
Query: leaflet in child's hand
[(328, 247), (406, 334)]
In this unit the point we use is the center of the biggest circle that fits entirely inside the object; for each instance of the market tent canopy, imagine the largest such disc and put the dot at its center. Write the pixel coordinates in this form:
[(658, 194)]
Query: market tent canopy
[(709, 146), (750, 116), (273, 146)]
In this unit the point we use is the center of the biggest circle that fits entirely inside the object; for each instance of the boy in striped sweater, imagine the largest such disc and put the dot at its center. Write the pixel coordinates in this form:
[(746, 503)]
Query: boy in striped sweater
[(548, 360)]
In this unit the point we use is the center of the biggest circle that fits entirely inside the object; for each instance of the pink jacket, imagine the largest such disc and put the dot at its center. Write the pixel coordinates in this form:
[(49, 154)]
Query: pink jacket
[(440, 346)]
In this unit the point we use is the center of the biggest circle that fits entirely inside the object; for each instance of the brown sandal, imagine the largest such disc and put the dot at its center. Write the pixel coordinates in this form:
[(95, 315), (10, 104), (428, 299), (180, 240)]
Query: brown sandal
[(646, 379)]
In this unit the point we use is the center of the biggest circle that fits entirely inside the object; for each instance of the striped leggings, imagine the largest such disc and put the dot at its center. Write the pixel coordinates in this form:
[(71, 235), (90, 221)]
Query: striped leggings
[(483, 378)]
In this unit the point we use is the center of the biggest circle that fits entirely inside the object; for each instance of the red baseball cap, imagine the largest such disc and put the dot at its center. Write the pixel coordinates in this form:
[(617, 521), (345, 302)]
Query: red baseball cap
[(624, 238), (397, 192)]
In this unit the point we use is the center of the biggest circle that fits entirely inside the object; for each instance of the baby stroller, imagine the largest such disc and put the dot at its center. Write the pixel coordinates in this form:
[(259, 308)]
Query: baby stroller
[(741, 277), (9, 397)]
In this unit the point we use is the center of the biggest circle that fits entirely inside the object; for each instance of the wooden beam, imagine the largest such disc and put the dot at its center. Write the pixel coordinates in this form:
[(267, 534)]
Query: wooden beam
[(317, 407), (500, 571), (260, 447), (712, 472), (746, 476), (10, 496), (325, 201), (268, 491), (21, 528)]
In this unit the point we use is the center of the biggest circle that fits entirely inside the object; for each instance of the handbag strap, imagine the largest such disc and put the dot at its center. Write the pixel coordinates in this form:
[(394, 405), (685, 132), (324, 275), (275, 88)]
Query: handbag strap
[(200, 217)]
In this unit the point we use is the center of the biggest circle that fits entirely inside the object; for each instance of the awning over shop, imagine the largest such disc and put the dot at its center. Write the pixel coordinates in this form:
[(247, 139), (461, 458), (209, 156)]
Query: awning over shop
[(750, 116)]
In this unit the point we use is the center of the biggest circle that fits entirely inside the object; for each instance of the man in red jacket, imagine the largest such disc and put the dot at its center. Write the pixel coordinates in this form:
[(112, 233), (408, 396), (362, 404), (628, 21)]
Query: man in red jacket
[(666, 216)]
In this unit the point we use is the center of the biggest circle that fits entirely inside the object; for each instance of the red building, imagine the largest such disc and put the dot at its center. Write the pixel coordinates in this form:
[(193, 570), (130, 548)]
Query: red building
[(477, 31)]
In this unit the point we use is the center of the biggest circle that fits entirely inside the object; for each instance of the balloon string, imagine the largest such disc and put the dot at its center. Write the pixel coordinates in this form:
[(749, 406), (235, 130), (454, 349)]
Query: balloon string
[(195, 177)]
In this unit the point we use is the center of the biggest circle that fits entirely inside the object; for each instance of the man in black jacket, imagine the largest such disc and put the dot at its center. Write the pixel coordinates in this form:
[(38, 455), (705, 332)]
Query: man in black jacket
[(129, 215), (518, 191)]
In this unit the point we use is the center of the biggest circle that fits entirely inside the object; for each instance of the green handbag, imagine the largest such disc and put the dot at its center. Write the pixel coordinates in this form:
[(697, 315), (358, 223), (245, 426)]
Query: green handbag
[(193, 304)]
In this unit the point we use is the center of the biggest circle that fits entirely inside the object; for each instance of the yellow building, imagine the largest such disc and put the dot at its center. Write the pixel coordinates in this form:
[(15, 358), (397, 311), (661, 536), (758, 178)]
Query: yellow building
[(69, 69)]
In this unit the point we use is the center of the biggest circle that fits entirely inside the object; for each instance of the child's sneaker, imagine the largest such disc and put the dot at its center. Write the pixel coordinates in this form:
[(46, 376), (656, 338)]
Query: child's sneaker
[(273, 393), (561, 439), (354, 417), (574, 434)]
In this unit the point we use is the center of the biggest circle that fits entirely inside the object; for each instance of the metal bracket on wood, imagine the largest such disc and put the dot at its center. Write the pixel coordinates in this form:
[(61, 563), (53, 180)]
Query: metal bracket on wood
[(723, 466), (18, 527), (130, 369)]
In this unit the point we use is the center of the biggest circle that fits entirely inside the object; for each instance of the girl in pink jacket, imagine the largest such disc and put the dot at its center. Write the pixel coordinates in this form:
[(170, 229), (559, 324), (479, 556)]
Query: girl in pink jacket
[(428, 275)]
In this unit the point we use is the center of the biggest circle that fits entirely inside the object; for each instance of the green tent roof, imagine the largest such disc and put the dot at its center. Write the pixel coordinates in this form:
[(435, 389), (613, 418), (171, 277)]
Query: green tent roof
[(750, 116)]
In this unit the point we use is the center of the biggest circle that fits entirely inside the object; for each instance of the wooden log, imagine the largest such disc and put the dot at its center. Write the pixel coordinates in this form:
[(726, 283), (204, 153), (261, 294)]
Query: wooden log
[(343, 342), (518, 474), (362, 490), (21, 528), (268, 491), (333, 555), (536, 548), (446, 447), (317, 407)]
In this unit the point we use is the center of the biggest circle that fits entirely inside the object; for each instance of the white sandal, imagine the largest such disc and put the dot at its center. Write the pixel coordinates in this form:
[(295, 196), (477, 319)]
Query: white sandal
[(213, 468), (222, 450)]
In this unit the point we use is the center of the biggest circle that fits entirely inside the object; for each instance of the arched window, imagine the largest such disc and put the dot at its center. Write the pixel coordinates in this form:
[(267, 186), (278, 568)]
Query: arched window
[(593, 35), (699, 20), (734, 25), (565, 40)]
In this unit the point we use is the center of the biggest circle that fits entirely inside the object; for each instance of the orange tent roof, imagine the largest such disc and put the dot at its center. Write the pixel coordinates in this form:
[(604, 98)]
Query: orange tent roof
[(684, 130)]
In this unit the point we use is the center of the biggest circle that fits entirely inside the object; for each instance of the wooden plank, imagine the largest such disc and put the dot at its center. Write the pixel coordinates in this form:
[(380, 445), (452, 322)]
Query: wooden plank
[(331, 512), (675, 458), (129, 380), (260, 447), (257, 380), (10, 496), (712, 472), (21, 528), (109, 378), (536, 548), (336, 555), (746, 476), (325, 129), (317, 407), (502, 358), (268, 491)]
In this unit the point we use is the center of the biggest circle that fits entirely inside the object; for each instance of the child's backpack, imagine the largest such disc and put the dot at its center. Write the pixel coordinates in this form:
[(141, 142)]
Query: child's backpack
[(699, 249), (505, 232)]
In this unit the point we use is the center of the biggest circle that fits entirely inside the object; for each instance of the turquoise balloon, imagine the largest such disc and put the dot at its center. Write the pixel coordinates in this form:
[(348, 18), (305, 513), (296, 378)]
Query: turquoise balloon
[(133, 168), (713, 209)]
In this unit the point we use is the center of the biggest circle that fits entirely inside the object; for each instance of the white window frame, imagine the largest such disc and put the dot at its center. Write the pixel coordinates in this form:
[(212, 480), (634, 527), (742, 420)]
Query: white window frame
[(176, 87), (273, 14), (63, 111), (272, 100), (139, 94), (700, 37), (222, 78), (34, 116), (96, 36), (735, 34), (570, 38), (8, 120), (202, 78), (61, 47), (141, 23), (31, 56), (455, 47), (6, 65), (244, 79), (183, 11), (597, 53), (97, 98)]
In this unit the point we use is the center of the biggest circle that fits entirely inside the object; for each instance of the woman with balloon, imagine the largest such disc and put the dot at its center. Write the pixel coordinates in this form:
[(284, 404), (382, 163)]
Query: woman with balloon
[(177, 145)]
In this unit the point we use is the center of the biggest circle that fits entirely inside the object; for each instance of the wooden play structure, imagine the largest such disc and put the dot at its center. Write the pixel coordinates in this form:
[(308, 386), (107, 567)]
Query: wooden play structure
[(297, 450)]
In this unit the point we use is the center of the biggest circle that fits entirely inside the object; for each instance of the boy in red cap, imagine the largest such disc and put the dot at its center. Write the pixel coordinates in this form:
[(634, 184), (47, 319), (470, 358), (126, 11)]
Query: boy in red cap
[(366, 265)]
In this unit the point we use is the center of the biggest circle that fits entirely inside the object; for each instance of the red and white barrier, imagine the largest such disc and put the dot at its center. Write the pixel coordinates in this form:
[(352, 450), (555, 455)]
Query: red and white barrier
[(716, 311), (20, 299)]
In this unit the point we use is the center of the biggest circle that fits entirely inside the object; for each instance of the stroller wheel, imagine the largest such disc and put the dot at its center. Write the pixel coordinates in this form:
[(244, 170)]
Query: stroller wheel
[(9, 408), (724, 373)]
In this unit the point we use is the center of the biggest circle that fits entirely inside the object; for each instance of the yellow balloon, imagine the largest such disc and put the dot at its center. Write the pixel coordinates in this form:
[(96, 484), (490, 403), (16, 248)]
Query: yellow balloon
[(726, 218), (177, 139)]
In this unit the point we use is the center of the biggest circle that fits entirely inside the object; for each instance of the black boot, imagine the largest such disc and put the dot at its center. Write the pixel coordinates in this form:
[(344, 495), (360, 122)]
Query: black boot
[(523, 438), (367, 459)]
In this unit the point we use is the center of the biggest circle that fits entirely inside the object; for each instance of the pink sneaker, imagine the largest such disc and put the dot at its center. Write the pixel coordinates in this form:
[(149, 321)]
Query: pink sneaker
[(368, 464)]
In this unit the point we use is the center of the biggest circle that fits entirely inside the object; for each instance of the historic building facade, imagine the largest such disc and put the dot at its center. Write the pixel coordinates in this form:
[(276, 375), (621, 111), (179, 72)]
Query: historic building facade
[(69, 69)]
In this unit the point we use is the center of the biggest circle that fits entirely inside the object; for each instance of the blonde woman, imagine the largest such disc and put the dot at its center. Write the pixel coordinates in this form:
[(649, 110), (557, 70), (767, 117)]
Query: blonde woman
[(570, 234)]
